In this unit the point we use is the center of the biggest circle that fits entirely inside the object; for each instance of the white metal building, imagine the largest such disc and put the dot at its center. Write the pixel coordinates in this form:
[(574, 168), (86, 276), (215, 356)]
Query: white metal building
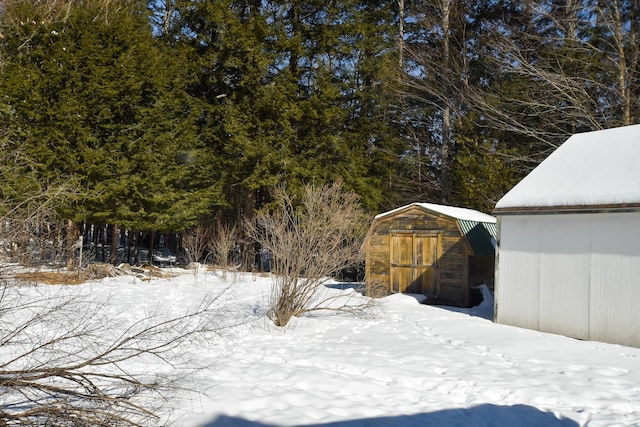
[(568, 257)]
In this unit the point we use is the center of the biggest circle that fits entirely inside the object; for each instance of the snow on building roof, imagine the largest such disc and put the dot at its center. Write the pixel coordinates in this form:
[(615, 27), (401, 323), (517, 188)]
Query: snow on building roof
[(450, 211), (592, 169)]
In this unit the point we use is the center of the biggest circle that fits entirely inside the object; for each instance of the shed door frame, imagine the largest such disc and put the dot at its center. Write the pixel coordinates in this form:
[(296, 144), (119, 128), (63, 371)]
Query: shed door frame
[(415, 270)]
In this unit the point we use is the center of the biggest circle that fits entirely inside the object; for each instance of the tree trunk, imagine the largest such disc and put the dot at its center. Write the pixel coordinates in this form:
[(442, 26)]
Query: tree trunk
[(400, 36), (248, 214), (152, 242), (623, 68), (103, 244), (113, 252), (446, 110), (59, 244), (72, 237), (136, 250), (130, 238)]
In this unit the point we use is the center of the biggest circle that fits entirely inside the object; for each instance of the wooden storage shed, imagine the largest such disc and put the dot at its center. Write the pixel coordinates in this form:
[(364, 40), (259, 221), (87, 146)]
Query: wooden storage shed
[(435, 250), (569, 241)]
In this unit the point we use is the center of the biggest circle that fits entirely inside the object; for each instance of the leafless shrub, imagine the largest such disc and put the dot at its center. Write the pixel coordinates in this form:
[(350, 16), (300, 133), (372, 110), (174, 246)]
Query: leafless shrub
[(196, 241), (225, 238), (310, 239), (31, 230), (66, 363)]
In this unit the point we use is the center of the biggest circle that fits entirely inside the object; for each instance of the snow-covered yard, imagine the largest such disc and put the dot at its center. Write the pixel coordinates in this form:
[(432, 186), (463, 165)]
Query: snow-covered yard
[(406, 364)]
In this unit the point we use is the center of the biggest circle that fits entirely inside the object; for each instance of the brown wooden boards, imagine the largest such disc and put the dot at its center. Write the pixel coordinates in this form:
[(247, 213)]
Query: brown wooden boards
[(414, 262)]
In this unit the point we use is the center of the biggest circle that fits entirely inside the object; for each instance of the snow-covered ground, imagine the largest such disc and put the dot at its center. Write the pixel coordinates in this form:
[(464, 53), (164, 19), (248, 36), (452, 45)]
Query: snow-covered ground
[(406, 364)]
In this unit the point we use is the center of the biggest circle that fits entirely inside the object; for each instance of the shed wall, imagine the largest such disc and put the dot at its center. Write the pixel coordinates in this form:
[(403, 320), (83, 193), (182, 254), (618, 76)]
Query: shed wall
[(571, 274), (452, 265)]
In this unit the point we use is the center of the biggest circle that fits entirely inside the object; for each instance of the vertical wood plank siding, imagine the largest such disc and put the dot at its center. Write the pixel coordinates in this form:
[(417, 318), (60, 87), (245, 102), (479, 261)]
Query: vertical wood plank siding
[(417, 251)]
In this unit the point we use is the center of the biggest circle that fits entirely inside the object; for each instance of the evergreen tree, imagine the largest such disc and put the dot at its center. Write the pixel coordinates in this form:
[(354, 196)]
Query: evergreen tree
[(226, 50), (103, 108), (296, 92), (101, 104)]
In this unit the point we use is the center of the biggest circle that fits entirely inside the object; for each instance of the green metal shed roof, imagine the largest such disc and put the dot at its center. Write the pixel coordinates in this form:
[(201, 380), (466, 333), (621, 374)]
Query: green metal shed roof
[(482, 236)]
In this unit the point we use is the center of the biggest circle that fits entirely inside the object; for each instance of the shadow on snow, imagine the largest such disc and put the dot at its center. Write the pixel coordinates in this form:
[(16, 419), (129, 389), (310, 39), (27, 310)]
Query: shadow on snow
[(484, 311), (356, 286), (476, 416)]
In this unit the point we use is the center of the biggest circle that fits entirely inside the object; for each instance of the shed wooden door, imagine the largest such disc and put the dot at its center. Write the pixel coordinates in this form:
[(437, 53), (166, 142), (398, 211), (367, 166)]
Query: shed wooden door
[(414, 263)]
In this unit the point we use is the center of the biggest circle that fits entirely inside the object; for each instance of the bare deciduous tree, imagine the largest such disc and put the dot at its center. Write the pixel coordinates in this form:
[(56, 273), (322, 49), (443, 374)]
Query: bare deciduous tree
[(436, 57), (575, 70), (310, 239)]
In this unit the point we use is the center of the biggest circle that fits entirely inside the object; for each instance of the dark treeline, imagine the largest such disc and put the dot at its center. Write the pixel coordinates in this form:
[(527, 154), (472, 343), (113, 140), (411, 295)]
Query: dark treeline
[(156, 116)]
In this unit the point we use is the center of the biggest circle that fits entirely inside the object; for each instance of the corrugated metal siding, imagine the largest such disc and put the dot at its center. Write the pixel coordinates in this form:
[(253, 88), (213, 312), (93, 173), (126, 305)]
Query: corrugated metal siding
[(517, 286), (480, 235), (615, 279), (565, 243), (571, 274)]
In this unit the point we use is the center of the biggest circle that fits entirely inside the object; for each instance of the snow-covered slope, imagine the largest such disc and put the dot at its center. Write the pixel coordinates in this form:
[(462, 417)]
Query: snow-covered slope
[(407, 364)]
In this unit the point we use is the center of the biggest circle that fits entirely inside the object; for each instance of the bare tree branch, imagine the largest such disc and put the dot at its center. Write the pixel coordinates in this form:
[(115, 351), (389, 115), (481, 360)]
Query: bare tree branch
[(66, 363)]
